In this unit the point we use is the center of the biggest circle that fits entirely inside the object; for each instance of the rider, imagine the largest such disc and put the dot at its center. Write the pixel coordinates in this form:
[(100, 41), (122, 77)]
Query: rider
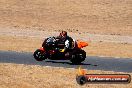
[(66, 40)]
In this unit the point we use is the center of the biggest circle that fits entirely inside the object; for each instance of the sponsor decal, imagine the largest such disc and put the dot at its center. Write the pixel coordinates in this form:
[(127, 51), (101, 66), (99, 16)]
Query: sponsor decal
[(83, 78)]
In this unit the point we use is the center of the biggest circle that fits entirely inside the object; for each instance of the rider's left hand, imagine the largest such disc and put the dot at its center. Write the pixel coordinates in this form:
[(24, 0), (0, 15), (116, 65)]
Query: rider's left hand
[(62, 50)]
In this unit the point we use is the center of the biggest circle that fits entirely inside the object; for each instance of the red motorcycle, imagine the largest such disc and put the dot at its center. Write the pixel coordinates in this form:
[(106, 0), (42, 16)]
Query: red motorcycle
[(51, 49)]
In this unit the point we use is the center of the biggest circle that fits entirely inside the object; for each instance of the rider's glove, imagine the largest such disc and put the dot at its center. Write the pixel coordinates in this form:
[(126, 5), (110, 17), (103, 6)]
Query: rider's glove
[(62, 50)]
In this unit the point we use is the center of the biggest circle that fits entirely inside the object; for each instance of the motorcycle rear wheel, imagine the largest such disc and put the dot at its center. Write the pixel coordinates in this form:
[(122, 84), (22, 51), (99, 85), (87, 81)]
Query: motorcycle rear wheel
[(78, 57)]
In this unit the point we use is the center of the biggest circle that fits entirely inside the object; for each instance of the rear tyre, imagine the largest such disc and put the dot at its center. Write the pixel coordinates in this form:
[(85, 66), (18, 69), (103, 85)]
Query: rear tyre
[(78, 57), (39, 55)]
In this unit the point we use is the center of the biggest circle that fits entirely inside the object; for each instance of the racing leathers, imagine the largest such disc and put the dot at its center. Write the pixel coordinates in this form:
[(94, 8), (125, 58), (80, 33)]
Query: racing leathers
[(68, 43)]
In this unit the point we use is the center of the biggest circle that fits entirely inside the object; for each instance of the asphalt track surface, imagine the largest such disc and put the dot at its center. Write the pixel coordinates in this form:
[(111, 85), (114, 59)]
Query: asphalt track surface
[(91, 62)]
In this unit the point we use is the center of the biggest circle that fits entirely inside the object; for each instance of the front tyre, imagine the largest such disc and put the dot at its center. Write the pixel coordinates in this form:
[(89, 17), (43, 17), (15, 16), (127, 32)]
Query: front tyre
[(39, 55)]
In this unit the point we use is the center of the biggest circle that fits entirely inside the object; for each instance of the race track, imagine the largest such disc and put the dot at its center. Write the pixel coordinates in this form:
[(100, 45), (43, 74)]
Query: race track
[(91, 62)]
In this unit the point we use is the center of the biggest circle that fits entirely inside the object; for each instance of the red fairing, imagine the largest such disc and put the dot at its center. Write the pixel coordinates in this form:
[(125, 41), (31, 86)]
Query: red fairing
[(42, 49)]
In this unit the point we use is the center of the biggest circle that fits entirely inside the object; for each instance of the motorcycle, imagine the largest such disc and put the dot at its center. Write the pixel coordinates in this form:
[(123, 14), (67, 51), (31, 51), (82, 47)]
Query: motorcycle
[(51, 49)]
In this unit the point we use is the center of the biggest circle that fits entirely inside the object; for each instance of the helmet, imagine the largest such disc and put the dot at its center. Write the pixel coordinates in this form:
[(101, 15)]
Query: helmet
[(64, 33)]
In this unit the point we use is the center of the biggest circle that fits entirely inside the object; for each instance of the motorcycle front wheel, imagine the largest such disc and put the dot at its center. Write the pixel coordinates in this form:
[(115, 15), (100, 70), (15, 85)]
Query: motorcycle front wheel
[(39, 55)]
